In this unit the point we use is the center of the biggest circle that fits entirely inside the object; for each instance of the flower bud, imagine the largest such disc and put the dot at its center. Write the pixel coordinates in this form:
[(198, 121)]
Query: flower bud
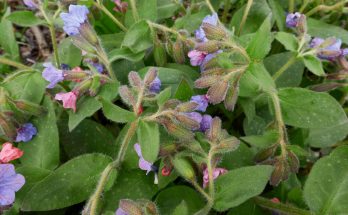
[(88, 33), (75, 75), (187, 122), (209, 46), (93, 90), (29, 107), (278, 172), (7, 127), (227, 145), (214, 32), (159, 53), (214, 132), (150, 76), (302, 25), (151, 209), (167, 149), (186, 107), (83, 87), (217, 92), (134, 79), (264, 154), (82, 44), (176, 130), (232, 96), (324, 87), (184, 168), (127, 95), (294, 163), (206, 81), (178, 52), (130, 207), (171, 104)]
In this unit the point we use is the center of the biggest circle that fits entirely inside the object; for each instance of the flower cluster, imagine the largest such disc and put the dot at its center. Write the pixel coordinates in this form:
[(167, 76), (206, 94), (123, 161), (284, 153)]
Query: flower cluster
[(10, 182)]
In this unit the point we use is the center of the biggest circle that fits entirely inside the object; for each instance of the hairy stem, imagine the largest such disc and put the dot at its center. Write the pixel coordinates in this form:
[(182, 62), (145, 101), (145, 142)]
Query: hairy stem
[(165, 29), (211, 8), (104, 58), (92, 205), (112, 17), (210, 174), (326, 8), (286, 66), (279, 207), (134, 10), (245, 16), (304, 5), (14, 63), (291, 6), (237, 48), (200, 189)]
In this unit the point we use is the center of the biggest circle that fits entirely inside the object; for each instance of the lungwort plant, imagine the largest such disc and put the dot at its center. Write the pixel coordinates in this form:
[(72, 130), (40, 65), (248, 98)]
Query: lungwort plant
[(139, 107)]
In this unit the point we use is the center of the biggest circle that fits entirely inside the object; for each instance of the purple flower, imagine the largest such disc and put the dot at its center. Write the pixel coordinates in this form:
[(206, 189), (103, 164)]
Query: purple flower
[(196, 57), (74, 19), (202, 102), (155, 86), (292, 19), (26, 132), (210, 19), (196, 117), (145, 165), (99, 67), (328, 49), (31, 4), (52, 74), (206, 122), (10, 182), (120, 211)]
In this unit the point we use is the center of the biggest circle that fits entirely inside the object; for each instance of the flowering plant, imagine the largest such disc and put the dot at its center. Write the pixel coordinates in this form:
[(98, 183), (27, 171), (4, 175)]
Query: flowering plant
[(133, 107)]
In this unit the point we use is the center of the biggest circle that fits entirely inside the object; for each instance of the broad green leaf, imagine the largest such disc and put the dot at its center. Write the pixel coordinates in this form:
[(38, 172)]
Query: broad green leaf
[(43, 150), (317, 28), (166, 8), (169, 199), (148, 10), (288, 40), (184, 91), (71, 183), (7, 37), (25, 18), (326, 189), (292, 76), (327, 136), (138, 38), (191, 21), (28, 86), (69, 54), (125, 53), (278, 13), (307, 109), (314, 65), (237, 186), (111, 41), (164, 96), (247, 208), (149, 139), (181, 209), (243, 156), (262, 141), (89, 105), (260, 44), (133, 184), (116, 113), (88, 137)]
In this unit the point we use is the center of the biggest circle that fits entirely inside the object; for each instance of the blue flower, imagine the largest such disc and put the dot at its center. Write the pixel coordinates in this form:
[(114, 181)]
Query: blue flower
[(328, 49), (144, 164), (206, 122), (10, 182), (202, 102), (26, 132), (210, 19), (52, 74), (31, 4), (74, 19), (155, 86), (292, 19)]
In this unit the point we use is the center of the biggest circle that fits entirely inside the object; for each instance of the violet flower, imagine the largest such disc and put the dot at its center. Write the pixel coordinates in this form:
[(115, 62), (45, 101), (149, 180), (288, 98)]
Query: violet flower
[(206, 122), (292, 20), (196, 57), (210, 19), (120, 211), (52, 74), (328, 50), (216, 173), (145, 165), (74, 19), (120, 6), (202, 102), (26, 132), (10, 182), (155, 86), (31, 4)]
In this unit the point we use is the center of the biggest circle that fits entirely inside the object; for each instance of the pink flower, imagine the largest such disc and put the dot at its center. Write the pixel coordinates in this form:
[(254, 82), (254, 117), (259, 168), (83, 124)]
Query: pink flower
[(9, 153), (216, 173), (120, 6), (69, 99), (196, 57)]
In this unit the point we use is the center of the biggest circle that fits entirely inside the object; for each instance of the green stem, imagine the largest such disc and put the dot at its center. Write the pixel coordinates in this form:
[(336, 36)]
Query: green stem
[(286, 66), (245, 16), (304, 5), (134, 10), (326, 8), (280, 207), (165, 29), (104, 58), (211, 8), (210, 174), (112, 17), (291, 6), (54, 44), (92, 205), (237, 48), (200, 189), (14, 63)]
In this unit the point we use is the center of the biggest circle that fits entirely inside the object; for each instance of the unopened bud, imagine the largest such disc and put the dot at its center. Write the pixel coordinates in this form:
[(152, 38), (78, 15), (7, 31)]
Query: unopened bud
[(167, 149), (209, 46), (134, 79), (213, 32), (187, 107), (150, 76), (184, 168), (217, 92), (93, 90), (127, 95), (278, 172), (89, 34), (29, 107), (324, 87), (302, 25), (75, 76), (214, 132), (171, 104), (151, 209), (215, 71), (294, 163), (227, 145), (206, 81), (130, 207), (343, 62), (82, 44), (186, 121), (83, 87), (178, 52), (232, 96), (176, 130), (7, 127), (264, 154), (159, 53), (341, 75)]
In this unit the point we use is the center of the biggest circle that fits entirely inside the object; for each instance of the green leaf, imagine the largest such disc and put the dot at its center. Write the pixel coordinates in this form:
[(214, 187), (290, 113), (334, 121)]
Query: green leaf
[(317, 28), (7, 37), (149, 139), (43, 150), (262, 141), (138, 37), (288, 40), (243, 156), (88, 137), (71, 183), (69, 54), (278, 13), (115, 113), (181, 209), (307, 109), (191, 21), (292, 76), (125, 53), (327, 136), (25, 18), (326, 189), (260, 44), (237, 186), (184, 91), (164, 96), (147, 10), (166, 8), (314, 65), (169, 199), (89, 105), (133, 184)]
